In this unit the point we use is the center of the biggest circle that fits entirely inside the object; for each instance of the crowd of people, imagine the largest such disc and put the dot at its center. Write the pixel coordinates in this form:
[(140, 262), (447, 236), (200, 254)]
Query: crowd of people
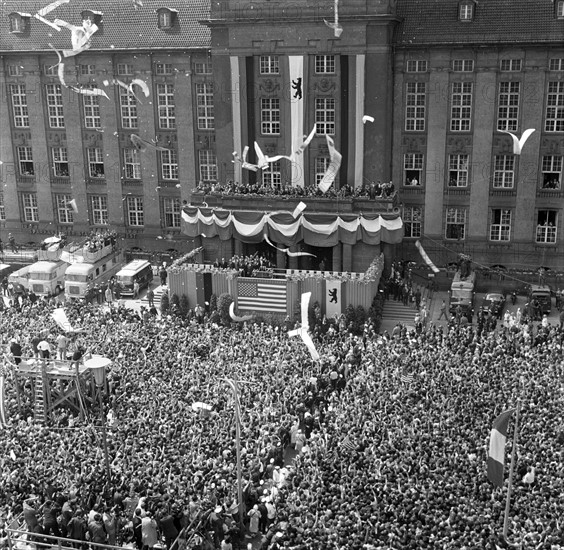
[(248, 266), (372, 191), (390, 434)]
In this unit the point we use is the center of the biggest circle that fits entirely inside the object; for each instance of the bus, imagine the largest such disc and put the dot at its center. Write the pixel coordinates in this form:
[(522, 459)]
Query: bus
[(80, 277), (47, 277), (140, 270)]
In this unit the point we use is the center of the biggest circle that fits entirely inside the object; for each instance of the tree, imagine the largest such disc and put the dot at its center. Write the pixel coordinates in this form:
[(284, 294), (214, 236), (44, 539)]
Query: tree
[(165, 303), (223, 304)]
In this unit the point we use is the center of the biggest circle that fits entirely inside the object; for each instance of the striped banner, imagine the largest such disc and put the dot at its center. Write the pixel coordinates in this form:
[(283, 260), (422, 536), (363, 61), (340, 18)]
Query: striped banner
[(261, 295)]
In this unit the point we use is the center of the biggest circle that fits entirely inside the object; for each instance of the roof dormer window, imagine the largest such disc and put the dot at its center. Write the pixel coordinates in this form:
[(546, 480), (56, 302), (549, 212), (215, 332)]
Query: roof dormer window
[(559, 9), (19, 22), (466, 10), (166, 18)]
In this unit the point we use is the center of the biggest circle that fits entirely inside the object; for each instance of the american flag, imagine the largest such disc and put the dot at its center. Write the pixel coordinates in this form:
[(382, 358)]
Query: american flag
[(347, 444), (406, 378), (261, 295)]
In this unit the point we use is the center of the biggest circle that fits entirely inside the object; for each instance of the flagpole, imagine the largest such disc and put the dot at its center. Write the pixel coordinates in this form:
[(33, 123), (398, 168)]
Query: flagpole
[(511, 468)]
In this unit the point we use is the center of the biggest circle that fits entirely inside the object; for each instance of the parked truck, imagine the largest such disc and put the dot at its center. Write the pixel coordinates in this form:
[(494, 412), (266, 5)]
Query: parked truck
[(462, 292)]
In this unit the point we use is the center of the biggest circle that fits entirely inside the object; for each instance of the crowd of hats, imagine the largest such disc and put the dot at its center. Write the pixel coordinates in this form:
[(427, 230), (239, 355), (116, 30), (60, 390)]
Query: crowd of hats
[(397, 427)]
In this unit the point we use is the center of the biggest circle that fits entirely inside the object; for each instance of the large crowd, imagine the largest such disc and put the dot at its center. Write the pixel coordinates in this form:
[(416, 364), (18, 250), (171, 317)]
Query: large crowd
[(373, 190), (390, 434)]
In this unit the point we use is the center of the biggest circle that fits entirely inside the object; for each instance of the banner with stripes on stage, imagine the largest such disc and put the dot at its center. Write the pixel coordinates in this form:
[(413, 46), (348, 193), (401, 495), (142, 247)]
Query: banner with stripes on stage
[(261, 295)]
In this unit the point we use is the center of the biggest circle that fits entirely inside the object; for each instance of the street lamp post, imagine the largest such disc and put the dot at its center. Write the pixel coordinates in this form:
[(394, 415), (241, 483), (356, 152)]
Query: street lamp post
[(98, 367)]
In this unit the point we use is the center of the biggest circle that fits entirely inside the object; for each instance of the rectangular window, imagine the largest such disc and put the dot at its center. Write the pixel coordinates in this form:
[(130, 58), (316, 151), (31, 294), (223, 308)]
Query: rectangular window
[(416, 66), (551, 171), (203, 68), (456, 224), (135, 211), (556, 64), (30, 210), (19, 105), (50, 70), (15, 70), (171, 212), (55, 106), (163, 68), (555, 107), (87, 69), (99, 209), (269, 64), (60, 162), (124, 69), (270, 116), (463, 65), (412, 221), (415, 106), (510, 65), (25, 160), (165, 99), (560, 9), (461, 106), (413, 168), (500, 225), (169, 165), (92, 111), (503, 177), (325, 115), (96, 162), (2, 208), (204, 100), (208, 165), (546, 226), (324, 64), (458, 170), (131, 164), (272, 176), (128, 109), (321, 166), (466, 12), (64, 211), (508, 106)]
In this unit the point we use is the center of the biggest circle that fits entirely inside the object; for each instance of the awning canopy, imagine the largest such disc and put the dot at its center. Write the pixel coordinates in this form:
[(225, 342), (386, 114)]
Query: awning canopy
[(281, 227)]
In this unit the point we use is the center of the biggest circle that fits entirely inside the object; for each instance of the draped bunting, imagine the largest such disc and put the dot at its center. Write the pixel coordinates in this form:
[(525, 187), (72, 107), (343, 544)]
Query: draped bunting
[(281, 227)]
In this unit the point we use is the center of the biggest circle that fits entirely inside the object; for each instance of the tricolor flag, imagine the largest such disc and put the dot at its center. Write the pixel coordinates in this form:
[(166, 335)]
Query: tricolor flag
[(347, 444), (261, 295), (496, 454)]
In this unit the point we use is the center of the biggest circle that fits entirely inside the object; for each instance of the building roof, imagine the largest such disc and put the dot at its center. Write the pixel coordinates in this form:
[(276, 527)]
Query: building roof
[(126, 25), (494, 22)]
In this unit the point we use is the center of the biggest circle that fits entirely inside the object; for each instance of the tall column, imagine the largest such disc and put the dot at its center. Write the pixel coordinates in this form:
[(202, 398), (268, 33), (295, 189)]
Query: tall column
[(337, 258), (347, 257)]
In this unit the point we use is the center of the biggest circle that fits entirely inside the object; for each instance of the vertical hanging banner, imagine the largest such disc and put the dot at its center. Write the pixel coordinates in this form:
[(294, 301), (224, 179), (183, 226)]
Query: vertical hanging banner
[(358, 123), (297, 100), (333, 297), (236, 113)]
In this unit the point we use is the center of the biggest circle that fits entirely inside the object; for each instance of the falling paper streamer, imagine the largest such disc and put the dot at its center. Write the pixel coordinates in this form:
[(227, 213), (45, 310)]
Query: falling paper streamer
[(529, 477), (142, 144), (243, 160), (303, 146), (302, 332), (72, 204), (426, 257), (13, 455), (335, 26), (138, 3), (287, 250), (299, 209), (236, 317), (89, 91), (199, 406), (142, 84), (333, 168), (519, 143), (263, 160), (49, 8), (62, 320), (47, 22), (80, 36), (367, 118)]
